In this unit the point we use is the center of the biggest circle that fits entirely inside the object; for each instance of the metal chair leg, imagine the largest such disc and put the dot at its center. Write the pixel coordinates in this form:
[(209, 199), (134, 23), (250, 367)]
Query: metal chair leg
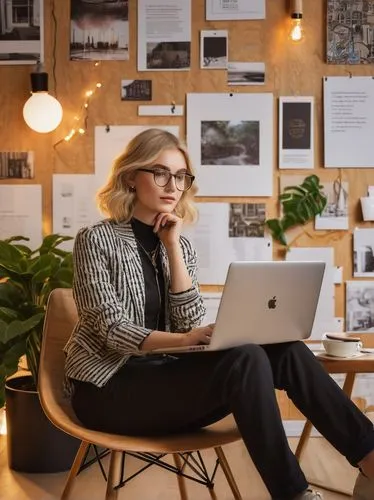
[(79, 457), (180, 478), (228, 473), (113, 475)]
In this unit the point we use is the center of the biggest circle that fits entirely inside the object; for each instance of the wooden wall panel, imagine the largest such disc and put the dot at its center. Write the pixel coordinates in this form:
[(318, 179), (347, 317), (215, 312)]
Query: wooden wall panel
[(290, 70)]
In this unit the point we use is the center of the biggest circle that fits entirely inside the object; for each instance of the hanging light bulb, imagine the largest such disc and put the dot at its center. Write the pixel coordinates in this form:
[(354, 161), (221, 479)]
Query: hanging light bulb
[(42, 112), (297, 30)]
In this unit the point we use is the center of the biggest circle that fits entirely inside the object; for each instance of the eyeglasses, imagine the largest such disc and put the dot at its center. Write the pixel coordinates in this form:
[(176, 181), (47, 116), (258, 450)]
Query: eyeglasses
[(183, 181)]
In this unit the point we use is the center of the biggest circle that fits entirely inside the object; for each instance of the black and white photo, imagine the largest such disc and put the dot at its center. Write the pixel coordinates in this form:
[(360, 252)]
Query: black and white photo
[(230, 142), (296, 132), (99, 30), (136, 90), (17, 165), (247, 220), (245, 73), (168, 55), (350, 32), (360, 307), (296, 125), (335, 213), (363, 253), (21, 31), (213, 49)]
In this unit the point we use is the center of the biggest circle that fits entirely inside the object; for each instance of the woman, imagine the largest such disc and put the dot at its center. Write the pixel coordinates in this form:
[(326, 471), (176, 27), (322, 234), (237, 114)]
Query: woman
[(135, 288)]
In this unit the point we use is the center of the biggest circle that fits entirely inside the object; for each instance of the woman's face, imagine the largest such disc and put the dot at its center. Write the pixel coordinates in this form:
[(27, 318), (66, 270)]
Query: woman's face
[(151, 198)]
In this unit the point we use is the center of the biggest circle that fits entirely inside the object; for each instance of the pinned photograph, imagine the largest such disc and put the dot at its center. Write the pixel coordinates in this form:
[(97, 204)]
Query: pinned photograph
[(136, 90), (350, 28), (21, 32), (363, 253), (17, 165), (230, 142), (99, 30), (213, 49), (243, 73), (168, 55), (335, 213), (247, 220), (360, 307)]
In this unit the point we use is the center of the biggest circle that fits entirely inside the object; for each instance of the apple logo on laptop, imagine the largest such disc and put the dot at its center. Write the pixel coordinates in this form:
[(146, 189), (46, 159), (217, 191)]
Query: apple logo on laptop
[(272, 303)]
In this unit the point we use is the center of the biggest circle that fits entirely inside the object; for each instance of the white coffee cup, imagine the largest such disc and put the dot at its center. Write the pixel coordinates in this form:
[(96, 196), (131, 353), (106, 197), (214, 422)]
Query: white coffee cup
[(341, 348)]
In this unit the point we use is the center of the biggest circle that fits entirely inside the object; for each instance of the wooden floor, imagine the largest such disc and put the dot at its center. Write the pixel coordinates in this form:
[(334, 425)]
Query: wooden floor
[(320, 461)]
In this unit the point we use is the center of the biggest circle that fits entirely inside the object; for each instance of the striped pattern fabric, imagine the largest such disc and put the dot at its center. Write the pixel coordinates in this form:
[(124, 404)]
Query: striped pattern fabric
[(109, 292)]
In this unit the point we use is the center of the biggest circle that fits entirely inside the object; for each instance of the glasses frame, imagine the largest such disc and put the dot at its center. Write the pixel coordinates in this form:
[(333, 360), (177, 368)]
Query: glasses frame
[(155, 170)]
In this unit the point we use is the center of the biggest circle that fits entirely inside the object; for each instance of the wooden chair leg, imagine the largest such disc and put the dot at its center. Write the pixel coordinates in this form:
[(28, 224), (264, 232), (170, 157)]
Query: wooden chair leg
[(228, 473), (212, 493), (113, 475), (79, 457), (304, 438), (180, 478)]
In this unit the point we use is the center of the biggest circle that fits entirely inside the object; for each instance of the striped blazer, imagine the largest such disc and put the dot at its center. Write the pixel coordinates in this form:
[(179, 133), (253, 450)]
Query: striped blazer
[(109, 292)]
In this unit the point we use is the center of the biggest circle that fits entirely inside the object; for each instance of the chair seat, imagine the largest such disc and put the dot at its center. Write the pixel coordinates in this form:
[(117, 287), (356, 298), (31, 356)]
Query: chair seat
[(223, 432)]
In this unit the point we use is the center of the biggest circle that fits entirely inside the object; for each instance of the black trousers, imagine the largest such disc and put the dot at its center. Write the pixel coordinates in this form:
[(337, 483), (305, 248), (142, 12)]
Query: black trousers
[(196, 389)]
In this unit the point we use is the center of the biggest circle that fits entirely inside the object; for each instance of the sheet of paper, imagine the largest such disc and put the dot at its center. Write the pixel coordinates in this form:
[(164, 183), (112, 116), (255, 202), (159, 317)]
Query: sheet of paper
[(245, 73), (21, 32), (296, 132), (74, 204), (222, 10), (21, 213), (99, 30), (164, 35), (213, 49), (360, 306), (325, 315), (111, 141), (335, 214), (230, 140), (227, 232), (349, 121), (338, 275), (211, 301), (363, 253), (16, 165)]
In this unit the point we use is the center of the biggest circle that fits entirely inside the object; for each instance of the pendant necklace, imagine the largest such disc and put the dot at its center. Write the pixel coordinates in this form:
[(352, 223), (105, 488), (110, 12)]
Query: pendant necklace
[(152, 256)]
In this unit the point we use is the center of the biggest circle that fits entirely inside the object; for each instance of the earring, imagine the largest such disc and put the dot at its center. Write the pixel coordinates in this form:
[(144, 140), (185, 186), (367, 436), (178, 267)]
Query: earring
[(132, 189)]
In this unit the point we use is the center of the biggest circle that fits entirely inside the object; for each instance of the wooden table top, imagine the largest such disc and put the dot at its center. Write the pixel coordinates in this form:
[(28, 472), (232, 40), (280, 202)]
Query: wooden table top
[(359, 364)]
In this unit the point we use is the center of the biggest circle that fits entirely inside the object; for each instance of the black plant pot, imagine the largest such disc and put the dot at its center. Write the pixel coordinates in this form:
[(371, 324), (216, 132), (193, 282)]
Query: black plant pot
[(34, 443)]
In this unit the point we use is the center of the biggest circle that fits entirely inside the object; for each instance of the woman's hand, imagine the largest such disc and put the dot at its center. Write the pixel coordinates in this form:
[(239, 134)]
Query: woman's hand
[(168, 228), (200, 335)]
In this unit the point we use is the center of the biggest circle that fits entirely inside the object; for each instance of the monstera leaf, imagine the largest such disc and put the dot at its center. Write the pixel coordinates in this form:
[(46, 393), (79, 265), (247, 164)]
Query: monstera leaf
[(300, 204)]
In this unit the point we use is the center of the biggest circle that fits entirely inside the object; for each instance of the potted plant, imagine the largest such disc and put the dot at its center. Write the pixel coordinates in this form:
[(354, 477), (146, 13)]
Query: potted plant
[(300, 204), (26, 279)]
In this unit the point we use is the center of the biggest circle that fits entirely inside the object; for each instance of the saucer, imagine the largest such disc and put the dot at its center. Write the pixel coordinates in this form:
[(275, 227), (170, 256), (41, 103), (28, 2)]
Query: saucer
[(329, 357)]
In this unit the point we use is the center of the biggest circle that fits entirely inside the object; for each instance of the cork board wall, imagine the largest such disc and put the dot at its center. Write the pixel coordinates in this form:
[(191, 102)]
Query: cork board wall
[(290, 70)]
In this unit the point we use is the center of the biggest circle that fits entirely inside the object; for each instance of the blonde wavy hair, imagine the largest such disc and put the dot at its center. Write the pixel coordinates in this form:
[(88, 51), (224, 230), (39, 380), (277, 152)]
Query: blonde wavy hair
[(117, 200)]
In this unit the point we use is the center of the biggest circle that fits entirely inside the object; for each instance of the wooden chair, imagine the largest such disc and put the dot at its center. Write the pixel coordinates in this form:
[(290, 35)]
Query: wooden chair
[(60, 318)]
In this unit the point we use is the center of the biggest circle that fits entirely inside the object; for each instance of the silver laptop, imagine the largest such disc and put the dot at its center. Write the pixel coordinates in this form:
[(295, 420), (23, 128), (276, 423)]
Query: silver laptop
[(264, 303)]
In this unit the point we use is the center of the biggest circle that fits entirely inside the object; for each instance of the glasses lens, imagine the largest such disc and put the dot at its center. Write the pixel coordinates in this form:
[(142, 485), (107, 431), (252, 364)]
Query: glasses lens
[(161, 177)]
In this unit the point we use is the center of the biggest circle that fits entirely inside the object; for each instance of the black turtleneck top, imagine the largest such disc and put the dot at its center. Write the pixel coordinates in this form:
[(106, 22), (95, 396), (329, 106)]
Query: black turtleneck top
[(147, 242)]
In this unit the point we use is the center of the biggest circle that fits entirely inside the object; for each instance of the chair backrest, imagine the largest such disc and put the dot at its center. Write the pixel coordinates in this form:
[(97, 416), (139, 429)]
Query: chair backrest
[(61, 316)]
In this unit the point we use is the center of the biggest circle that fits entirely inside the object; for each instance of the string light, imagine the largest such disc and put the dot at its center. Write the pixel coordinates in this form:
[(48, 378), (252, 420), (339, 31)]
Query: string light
[(81, 119)]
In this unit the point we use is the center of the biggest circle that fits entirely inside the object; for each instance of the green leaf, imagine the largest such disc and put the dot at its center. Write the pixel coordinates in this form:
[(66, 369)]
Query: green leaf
[(7, 314), (300, 204), (18, 328)]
